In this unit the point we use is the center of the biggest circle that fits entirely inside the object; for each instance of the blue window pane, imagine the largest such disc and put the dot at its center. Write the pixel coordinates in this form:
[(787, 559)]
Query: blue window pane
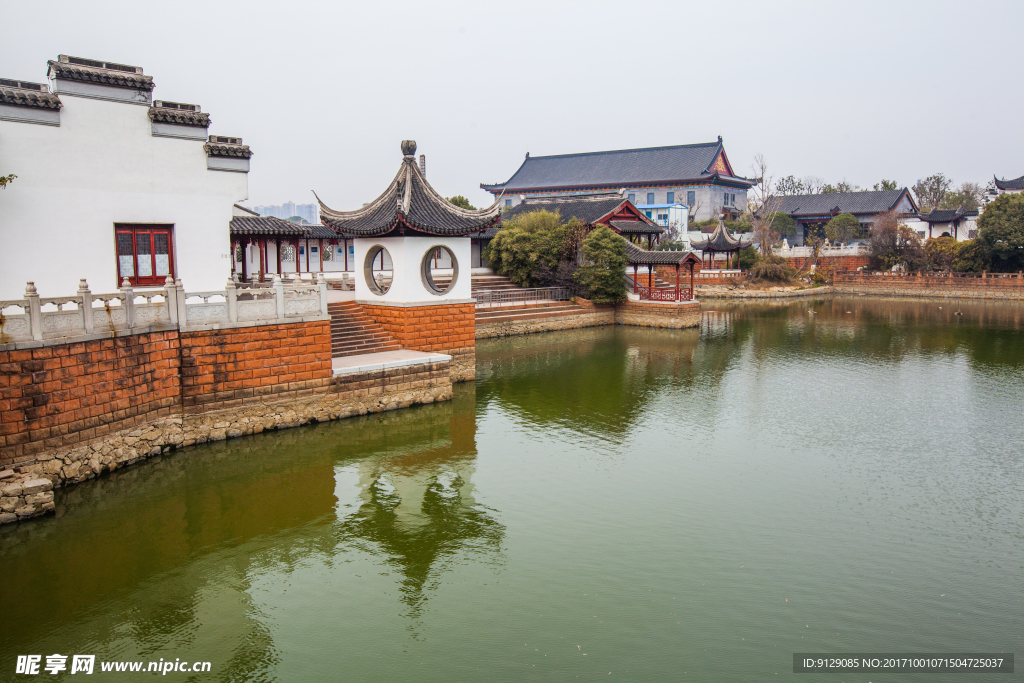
[(650, 197), (690, 198), (508, 202), (632, 198), (670, 198)]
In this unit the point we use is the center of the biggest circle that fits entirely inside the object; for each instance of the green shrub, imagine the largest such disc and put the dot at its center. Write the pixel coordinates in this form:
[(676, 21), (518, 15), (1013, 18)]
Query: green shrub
[(602, 273), (749, 257), (843, 228), (772, 272), (972, 256), (941, 253)]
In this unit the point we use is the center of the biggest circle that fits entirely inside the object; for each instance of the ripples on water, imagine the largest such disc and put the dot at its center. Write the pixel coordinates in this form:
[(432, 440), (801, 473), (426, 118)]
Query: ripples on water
[(834, 475)]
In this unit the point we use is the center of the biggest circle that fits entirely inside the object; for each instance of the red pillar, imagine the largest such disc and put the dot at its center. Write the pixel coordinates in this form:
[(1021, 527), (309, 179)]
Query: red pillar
[(245, 261), (634, 278), (691, 280), (277, 248), (321, 252), (262, 246), (677, 282)]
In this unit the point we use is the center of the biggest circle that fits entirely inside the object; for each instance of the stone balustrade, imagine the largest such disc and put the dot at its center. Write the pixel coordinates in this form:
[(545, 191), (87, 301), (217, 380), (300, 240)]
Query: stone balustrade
[(85, 315), (828, 250)]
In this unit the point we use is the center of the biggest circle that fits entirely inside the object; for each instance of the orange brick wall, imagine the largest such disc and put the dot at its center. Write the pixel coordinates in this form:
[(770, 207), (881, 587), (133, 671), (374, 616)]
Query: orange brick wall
[(59, 395), (836, 262), (428, 328), (239, 363), (65, 394)]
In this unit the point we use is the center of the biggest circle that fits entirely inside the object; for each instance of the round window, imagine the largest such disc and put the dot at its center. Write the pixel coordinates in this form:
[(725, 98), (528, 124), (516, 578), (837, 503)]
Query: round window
[(377, 269), (439, 269)]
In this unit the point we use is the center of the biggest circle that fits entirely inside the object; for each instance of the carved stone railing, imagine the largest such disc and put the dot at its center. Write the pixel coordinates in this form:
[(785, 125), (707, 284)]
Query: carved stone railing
[(856, 249), (36, 318)]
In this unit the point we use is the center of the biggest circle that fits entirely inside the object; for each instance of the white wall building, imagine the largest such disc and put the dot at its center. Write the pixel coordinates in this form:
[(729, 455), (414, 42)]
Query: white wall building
[(111, 184)]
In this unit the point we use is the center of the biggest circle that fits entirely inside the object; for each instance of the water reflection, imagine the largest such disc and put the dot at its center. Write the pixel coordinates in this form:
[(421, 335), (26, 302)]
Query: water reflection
[(154, 559), (415, 504)]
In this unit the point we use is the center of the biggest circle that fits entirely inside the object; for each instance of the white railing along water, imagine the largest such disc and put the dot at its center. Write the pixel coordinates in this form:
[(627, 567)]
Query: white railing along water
[(36, 318)]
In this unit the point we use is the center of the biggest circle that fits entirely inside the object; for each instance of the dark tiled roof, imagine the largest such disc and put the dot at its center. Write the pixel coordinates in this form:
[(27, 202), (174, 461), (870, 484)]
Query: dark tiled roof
[(943, 215), (616, 168), (642, 257), (29, 98), (840, 202), (1015, 184), (220, 149), (636, 228), (409, 202), (589, 208), (268, 225), (720, 240), (119, 79), (179, 117)]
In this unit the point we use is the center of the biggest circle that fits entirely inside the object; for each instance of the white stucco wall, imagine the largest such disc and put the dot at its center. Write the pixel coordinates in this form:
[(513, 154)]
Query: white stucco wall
[(406, 256), (103, 166)]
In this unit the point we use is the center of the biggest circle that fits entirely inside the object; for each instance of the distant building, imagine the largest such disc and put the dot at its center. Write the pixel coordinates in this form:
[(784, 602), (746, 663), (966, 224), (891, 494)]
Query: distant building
[(998, 187), (698, 176), (811, 211), (133, 188), (308, 212)]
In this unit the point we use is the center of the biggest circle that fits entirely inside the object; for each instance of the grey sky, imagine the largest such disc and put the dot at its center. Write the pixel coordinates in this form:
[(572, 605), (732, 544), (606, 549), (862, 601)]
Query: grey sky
[(324, 92)]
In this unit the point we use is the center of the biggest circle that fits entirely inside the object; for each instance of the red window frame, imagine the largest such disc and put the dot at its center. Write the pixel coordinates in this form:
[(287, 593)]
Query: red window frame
[(137, 233)]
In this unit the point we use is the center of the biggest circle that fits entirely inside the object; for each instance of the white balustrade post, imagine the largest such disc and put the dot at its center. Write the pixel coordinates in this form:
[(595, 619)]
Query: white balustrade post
[(231, 294), (128, 300), (179, 296), (322, 284), (35, 313), (85, 305), (171, 300), (279, 296)]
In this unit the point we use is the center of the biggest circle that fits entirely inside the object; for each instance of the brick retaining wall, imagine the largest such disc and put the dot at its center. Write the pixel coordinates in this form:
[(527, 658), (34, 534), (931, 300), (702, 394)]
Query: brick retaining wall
[(445, 328), (931, 286), (56, 395), (652, 314)]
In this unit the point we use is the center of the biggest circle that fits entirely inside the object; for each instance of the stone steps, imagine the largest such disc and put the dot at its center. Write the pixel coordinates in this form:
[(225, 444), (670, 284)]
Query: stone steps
[(554, 309), (354, 332)]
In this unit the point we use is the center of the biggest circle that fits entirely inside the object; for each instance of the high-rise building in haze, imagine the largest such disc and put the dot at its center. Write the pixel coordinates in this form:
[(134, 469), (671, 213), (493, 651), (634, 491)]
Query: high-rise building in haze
[(308, 212)]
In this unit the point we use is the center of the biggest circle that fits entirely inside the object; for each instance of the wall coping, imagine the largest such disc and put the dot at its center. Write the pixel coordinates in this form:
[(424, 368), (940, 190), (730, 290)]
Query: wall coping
[(414, 304), (384, 360), (153, 329)]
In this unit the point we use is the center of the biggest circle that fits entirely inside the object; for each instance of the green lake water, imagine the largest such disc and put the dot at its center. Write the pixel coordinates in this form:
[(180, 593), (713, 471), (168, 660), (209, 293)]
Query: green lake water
[(843, 475)]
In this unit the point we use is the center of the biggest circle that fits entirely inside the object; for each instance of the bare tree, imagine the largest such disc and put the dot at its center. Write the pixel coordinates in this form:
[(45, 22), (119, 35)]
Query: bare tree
[(763, 206), (932, 190), (813, 184)]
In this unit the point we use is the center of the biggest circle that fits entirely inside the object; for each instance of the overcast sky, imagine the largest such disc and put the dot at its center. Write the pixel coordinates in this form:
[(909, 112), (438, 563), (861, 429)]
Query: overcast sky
[(324, 92)]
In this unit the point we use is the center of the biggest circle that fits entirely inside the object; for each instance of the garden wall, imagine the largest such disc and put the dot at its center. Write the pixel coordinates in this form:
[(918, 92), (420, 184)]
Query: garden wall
[(938, 285), (448, 328)]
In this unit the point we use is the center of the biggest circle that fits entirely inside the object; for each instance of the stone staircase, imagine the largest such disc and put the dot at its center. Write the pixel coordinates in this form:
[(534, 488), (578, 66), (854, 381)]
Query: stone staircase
[(533, 310), (353, 332)]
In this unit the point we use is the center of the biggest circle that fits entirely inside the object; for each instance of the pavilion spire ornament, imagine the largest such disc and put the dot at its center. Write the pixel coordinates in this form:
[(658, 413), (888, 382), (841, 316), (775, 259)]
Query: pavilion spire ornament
[(408, 148)]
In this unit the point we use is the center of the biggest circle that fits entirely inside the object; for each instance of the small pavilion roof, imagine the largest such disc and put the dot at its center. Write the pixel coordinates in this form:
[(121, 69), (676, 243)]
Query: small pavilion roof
[(642, 257), (1012, 185), (410, 204), (943, 215), (636, 228), (721, 240)]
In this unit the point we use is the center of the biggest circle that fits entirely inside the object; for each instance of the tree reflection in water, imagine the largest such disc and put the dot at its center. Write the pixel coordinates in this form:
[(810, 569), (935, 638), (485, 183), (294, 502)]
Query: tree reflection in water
[(416, 506)]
